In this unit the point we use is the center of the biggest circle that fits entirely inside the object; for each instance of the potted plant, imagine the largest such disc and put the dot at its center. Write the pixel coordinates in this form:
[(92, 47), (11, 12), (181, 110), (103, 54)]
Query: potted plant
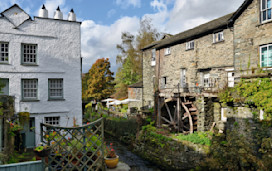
[(111, 159), (42, 150)]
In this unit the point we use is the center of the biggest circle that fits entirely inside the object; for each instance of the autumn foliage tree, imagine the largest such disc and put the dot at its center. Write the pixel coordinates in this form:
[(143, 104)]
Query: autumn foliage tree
[(99, 80), (130, 57)]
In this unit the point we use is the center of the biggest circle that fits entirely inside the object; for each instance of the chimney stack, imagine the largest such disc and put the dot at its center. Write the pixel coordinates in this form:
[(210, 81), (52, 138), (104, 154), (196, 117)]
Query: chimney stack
[(71, 16), (58, 14), (43, 12)]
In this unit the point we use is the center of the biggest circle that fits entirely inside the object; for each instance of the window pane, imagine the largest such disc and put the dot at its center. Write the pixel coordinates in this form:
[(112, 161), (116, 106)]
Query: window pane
[(263, 4), (264, 15), (269, 14), (29, 53), (268, 3)]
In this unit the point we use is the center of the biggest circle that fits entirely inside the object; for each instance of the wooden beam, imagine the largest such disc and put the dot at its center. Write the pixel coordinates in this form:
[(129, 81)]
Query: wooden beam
[(178, 112), (169, 113), (159, 113), (166, 120)]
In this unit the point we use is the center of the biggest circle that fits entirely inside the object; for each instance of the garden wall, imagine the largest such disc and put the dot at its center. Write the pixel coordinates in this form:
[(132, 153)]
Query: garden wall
[(170, 154)]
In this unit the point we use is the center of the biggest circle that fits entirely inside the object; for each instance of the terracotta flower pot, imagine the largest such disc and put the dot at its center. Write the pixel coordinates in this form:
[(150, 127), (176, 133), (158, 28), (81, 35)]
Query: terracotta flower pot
[(111, 162)]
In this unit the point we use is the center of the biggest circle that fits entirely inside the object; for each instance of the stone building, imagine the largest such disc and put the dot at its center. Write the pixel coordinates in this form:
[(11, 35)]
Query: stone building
[(40, 63), (253, 36), (149, 64), (135, 93), (192, 66)]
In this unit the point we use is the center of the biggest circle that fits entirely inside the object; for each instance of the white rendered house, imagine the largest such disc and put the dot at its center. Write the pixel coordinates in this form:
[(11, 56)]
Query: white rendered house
[(40, 62)]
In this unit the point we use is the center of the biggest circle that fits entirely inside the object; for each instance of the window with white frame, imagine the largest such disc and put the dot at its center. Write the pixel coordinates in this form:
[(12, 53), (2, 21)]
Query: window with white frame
[(218, 37), (190, 45), (29, 54), (266, 55), (55, 88), (153, 59), (183, 78), (30, 89), (167, 51), (4, 47), (52, 120), (208, 81), (266, 10)]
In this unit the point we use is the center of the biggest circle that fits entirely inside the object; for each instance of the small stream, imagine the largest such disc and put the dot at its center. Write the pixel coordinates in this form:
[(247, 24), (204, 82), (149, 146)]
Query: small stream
[(135, 162)]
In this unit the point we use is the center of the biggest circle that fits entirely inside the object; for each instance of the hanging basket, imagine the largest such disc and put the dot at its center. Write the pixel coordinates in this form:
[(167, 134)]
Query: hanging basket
[(43, 153)]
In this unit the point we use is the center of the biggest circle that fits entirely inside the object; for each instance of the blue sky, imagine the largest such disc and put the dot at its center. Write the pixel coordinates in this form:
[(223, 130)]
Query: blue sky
[(103, 21)]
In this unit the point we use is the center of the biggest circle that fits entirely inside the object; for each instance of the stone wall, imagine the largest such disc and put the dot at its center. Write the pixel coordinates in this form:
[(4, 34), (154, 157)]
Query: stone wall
[(135, 93), (172, 155), (249, 35), (148, 79), (207, 56)]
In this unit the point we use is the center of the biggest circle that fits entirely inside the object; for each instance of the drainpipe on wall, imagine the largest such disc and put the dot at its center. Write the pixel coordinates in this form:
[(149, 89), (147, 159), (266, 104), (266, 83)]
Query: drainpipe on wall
[(157, 93)]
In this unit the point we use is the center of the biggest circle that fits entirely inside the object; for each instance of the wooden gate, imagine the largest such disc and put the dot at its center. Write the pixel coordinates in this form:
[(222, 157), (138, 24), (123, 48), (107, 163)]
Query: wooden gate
[(75, 148)]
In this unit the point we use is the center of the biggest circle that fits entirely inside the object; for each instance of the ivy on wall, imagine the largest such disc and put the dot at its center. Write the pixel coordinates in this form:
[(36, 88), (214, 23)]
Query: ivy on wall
[(256, 92)]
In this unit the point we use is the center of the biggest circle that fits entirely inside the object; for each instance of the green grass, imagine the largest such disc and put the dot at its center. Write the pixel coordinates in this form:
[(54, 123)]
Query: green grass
[(196, 138)]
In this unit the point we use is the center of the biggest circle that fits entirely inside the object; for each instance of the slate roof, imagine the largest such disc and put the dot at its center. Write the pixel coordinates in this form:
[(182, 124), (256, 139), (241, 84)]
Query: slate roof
[(136, 85), (240, 10), (209, 27), (166, 36)]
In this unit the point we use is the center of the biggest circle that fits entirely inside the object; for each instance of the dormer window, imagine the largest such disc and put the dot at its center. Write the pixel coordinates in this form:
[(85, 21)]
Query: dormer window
[(265, 10), (167, 51), (218, 37), (190, 45), (153, 59)]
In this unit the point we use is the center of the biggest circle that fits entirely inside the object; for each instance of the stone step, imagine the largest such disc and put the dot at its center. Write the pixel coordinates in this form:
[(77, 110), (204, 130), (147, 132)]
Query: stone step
[(120, 167)]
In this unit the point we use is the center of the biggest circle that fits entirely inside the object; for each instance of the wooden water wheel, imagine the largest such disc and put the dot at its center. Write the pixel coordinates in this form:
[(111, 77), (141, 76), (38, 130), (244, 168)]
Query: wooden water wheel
[(186, 122)]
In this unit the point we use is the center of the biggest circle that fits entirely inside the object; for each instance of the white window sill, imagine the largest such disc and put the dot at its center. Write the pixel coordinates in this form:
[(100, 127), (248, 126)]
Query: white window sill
[(4, 63), (27, 64), (153, 63), (30, 100), (266, 69), (60, 99), (221, 41)]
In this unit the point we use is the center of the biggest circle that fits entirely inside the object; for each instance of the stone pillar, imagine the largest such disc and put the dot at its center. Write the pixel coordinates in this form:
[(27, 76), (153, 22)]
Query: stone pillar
[(200, 104)]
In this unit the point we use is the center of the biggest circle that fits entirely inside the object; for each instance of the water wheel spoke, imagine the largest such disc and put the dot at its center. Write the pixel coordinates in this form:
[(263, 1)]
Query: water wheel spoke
[(169, 113), (190, 118)]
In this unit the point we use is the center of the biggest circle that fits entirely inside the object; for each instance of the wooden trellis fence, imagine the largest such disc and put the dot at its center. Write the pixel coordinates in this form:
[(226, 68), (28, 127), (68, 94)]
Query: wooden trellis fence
[(75, 148)]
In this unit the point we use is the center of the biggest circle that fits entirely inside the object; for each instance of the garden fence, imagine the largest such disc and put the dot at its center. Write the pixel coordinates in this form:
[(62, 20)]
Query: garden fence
[(74, 148)]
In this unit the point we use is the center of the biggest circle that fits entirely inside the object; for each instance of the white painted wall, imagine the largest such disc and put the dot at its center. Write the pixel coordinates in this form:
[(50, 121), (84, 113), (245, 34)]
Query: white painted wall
[(58, 56)]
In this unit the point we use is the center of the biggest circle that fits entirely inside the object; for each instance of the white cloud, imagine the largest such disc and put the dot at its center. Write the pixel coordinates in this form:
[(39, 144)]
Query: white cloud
[(186, 14), (127, 3), (111, 13), (100, 41)]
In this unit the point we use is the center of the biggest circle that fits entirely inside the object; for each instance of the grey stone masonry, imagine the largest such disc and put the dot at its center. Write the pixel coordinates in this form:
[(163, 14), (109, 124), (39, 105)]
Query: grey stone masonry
[(148, 79), (249, 34)]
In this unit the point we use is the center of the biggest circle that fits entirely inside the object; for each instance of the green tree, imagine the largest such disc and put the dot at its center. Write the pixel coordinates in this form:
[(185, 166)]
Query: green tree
[(100, 80), (85, 78), (130, 57)]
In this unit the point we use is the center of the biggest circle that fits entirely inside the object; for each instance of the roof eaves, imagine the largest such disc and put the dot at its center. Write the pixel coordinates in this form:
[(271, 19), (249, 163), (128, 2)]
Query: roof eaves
[(239, 11), (189, 34)]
